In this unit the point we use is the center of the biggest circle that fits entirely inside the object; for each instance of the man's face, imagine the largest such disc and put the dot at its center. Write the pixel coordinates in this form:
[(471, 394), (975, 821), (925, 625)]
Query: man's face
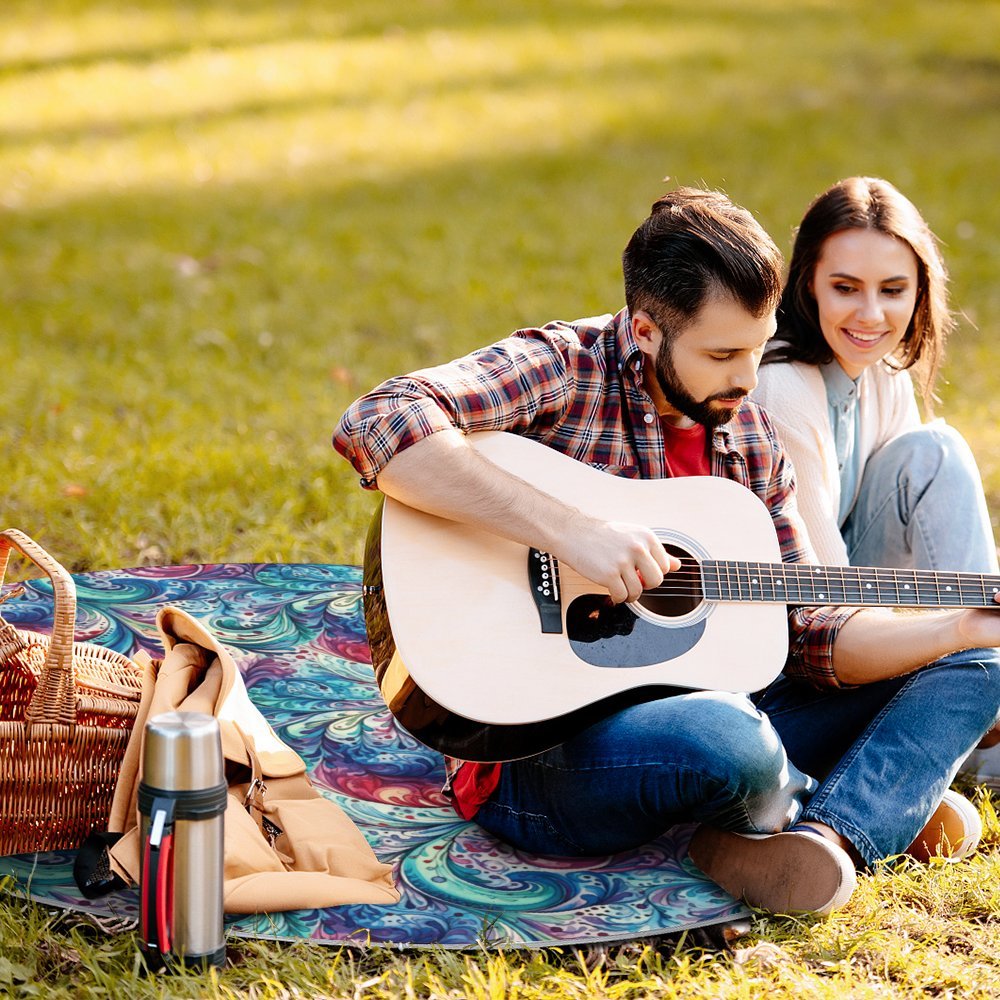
[(703, 374)]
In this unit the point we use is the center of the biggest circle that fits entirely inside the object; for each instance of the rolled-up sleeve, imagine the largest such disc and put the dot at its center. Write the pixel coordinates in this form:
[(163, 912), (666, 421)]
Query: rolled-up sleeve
[(812, 632), (515, 384)]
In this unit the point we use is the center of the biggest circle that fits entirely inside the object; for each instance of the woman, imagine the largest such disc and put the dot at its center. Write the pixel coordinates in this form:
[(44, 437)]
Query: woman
[(865, 304)]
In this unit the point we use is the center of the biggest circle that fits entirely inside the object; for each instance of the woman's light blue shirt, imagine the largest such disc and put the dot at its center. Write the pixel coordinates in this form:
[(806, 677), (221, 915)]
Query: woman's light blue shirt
[(842, 402)]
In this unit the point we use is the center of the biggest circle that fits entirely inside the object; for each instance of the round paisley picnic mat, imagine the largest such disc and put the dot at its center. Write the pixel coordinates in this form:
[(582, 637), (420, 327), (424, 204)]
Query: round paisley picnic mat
[(297, 632)]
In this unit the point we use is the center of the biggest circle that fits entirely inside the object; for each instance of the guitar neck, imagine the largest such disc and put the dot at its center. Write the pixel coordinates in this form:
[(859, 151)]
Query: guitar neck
[(801, 583)]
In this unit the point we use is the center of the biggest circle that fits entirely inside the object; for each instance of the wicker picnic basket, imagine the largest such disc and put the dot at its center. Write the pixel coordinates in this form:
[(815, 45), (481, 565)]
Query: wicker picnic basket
[(66, 711)]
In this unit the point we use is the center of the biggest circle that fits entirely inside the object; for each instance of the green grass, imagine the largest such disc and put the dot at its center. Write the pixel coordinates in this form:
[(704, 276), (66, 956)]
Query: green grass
[(221, 221), (909, 932)]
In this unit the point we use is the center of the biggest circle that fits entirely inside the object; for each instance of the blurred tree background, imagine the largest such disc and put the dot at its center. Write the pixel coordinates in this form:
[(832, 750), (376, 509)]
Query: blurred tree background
[(221, 221)]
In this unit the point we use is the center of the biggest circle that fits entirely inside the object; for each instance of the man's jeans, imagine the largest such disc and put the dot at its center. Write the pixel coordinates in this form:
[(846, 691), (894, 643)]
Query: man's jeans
[(884, 754), (622, 782)]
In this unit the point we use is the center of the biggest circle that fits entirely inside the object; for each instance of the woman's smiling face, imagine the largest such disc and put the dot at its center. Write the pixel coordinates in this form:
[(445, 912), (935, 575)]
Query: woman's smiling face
[(865, 285)]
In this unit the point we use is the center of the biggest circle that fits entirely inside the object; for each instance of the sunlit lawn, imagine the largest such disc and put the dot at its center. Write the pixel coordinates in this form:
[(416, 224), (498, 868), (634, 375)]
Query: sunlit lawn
[(222, 221)]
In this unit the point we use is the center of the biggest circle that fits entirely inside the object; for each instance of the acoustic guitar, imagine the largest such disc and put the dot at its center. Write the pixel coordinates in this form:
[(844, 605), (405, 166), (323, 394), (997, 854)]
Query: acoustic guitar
[(488, 650)]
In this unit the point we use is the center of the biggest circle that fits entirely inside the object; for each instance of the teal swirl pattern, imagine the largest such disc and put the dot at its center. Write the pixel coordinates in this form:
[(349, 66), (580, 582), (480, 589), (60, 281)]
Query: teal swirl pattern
[(297, 632)]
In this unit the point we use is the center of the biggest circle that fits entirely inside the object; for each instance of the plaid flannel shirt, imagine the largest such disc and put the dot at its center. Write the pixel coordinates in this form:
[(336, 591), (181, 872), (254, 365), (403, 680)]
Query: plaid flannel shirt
[(577, 387)]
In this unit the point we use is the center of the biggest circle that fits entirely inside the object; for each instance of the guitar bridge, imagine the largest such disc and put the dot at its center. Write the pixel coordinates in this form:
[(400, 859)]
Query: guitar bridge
[(543, 578)]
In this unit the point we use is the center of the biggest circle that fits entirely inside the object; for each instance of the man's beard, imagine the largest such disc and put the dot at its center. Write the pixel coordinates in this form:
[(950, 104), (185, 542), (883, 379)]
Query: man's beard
[(680, 399)]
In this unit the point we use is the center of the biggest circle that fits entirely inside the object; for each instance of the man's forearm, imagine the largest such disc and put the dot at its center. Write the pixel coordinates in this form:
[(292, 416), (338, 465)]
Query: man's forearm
[(444, 475)]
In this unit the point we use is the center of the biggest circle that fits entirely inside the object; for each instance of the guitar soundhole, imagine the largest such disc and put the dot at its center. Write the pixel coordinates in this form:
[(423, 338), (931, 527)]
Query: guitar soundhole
[(680, 593)]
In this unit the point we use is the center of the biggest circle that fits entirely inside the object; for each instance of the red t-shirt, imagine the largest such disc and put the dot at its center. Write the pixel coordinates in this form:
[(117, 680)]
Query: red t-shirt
[(686, 450), (686, 455)]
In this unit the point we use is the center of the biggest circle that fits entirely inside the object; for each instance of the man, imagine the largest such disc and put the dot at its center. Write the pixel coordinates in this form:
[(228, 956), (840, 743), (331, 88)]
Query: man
[(852, 749)]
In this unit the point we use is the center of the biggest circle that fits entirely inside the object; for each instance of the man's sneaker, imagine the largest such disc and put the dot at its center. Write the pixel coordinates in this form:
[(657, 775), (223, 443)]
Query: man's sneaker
[(953, 831), (982, 766), (788, 872)]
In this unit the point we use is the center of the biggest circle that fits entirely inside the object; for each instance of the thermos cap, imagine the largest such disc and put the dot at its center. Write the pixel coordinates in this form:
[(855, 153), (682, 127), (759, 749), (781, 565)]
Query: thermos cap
[(182, 752)]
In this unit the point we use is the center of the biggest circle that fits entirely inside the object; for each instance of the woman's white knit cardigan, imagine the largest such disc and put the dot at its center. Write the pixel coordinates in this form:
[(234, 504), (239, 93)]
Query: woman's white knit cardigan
[(794, 395)]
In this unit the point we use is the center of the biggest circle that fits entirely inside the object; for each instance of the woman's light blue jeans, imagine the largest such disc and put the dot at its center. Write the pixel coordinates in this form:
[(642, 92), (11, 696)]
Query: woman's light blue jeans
[(920, 505)]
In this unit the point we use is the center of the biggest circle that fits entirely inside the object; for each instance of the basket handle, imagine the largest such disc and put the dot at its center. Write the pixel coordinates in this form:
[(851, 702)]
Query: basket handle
[(54, 700)]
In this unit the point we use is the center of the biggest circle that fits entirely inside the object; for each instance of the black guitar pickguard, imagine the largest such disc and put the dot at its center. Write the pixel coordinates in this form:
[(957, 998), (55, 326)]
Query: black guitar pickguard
[(613, 635)]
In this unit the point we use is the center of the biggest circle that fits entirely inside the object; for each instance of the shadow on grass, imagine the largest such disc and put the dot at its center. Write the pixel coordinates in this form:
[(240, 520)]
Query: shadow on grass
[(250, 23), (178, 355)]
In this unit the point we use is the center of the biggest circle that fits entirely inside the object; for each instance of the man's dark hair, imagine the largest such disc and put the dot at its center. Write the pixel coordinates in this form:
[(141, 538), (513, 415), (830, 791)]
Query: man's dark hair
[(694, 244)]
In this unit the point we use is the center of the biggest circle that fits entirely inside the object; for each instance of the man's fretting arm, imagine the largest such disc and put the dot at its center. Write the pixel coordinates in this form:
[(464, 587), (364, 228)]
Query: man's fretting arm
[(444, 475)]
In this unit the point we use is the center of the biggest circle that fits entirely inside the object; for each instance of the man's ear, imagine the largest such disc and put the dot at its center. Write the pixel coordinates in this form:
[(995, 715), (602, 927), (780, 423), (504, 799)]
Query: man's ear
[(646, 333)]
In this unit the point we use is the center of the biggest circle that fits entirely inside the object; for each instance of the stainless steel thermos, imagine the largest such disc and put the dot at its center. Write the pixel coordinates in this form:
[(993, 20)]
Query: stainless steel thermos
[(182, 802)]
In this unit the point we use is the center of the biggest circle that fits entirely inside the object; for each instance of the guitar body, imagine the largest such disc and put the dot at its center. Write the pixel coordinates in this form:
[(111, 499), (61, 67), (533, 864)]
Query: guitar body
[(458, 635)]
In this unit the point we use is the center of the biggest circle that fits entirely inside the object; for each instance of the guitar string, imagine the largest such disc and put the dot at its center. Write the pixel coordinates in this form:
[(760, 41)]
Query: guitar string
[(834, 599), (809, 571), (688, 581)]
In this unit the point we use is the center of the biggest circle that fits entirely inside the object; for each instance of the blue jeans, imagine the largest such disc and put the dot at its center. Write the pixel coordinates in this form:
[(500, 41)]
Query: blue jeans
[(884, 754), (921, 506), (706, 756)]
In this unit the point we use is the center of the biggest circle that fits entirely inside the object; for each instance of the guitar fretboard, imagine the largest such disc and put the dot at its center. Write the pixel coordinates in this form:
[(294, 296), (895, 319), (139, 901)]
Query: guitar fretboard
[(800, 583)]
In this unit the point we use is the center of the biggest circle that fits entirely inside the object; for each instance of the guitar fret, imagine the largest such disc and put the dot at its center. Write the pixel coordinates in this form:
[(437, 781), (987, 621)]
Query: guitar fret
[(867, 586), (717, 568), (786, 589), (968, 588), (734, 582), (795, 582), (949, 589), (807, 584), (771, 595), (851, 584), (726, 583), (829, 594), (909, 592), (765, 589), (991, 587), (766, 582), (707, 568), (778, 587)]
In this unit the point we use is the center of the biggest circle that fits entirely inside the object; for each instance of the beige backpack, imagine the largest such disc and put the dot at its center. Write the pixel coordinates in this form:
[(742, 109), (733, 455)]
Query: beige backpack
[(286, 846)]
